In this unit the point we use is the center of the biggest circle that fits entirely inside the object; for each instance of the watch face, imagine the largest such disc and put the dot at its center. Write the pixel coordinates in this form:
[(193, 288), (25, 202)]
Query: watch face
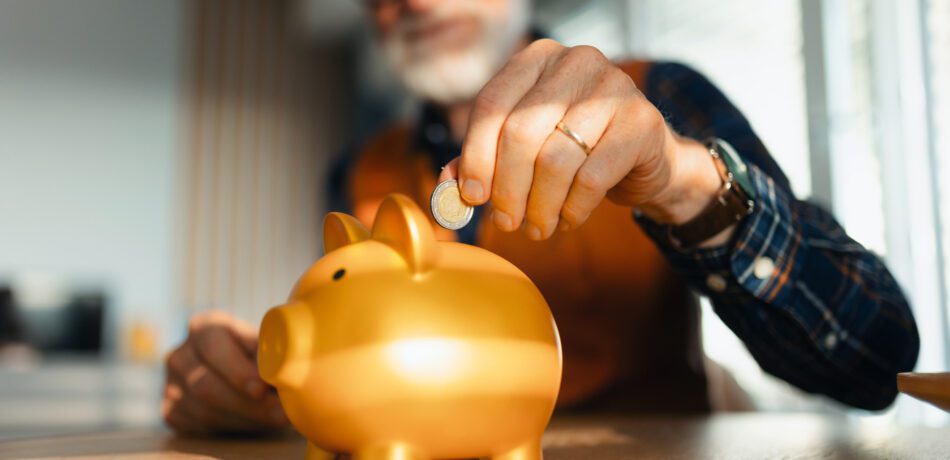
[(738, 168)]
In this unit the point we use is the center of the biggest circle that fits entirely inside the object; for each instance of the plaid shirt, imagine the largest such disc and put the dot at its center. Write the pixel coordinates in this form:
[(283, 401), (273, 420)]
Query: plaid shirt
[(826, 316), (812, 305)]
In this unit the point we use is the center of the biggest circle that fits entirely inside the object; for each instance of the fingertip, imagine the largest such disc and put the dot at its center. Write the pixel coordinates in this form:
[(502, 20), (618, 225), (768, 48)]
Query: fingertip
[(472, 191), (474, 178), (255, 389), (502, 221), (278, 416), (449, 171), (534, 232)]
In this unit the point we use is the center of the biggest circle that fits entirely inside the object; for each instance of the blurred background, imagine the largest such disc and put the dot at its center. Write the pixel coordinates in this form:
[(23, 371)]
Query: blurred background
[(159, 158)]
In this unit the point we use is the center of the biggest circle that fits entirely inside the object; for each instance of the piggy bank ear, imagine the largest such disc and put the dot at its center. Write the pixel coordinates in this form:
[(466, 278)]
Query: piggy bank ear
[(402, 225), (340, 230)]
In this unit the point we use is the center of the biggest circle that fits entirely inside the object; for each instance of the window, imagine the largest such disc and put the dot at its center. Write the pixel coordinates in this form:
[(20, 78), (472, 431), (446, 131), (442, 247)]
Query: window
[(752, 51), (852, 98), (937, 39)]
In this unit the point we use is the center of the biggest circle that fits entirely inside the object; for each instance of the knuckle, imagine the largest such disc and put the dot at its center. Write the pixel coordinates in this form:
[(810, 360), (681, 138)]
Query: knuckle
[(573, 215), (196, 323), (201, 321), (204, 343), (538, 49), (169, 419), (519, 130), (168, 404), (644, 114), (217, 315), (171, 408), (173, 392), (203, 388), (544, 44), (618, 79), (174, 363), (647, 119), (589, 180), (554, 162), (488, 101), (654, 116), (502, 197), (513, 133), (587, 54)]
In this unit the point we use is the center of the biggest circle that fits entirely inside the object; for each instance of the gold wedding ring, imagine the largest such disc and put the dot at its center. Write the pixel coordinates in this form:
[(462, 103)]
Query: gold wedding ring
[(574, 137)]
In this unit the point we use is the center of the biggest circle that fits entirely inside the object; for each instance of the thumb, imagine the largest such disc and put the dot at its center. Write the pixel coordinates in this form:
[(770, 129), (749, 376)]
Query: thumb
[(450, 171), (246, 335)]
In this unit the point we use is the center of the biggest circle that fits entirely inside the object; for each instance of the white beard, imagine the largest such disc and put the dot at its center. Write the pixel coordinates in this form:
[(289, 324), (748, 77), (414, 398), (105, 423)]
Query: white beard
[(452, 76)]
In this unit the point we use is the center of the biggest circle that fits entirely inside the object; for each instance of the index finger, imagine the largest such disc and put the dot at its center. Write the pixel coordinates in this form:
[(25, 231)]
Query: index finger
[(492, 106), (220, 351)]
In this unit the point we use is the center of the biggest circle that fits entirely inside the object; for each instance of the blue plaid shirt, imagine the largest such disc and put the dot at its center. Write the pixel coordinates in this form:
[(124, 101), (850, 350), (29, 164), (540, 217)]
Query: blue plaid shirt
[(813, 306)]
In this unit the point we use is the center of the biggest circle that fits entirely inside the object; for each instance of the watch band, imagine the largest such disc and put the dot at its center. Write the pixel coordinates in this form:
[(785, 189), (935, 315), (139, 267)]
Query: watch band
[(730, 206)]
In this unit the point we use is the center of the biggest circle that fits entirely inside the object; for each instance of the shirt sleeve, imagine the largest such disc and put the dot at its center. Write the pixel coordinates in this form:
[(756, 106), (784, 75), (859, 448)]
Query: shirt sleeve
[(814, 307)]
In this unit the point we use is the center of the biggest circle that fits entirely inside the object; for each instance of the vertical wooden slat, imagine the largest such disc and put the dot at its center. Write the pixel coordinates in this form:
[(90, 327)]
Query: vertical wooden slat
[(236, 158), (204, 223), (202, 184), (279, 222), (249, 209), (266, 171), (270, 261), (257, 68), (198, 36), (295, 147), (218, 58)]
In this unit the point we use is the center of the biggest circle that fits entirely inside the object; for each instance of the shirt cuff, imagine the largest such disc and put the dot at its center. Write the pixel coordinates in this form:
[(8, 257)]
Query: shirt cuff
[(759, 258)]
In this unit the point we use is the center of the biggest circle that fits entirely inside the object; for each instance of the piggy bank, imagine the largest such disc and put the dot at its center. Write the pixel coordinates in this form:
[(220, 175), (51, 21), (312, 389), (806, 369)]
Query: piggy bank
[(397, 346)]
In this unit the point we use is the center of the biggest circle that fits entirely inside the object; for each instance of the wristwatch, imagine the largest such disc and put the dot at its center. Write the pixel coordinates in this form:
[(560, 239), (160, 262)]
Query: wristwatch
[(736, 199)]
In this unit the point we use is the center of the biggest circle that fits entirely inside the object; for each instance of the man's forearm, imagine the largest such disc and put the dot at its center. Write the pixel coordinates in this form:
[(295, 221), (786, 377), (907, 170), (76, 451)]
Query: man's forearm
[(813, 306)]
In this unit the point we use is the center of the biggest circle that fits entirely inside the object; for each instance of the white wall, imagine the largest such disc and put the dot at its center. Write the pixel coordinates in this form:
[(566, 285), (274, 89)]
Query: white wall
[(89, 94)]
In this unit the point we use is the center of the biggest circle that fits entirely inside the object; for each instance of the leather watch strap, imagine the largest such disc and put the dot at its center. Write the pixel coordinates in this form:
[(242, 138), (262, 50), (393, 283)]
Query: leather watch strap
[(729, 207)]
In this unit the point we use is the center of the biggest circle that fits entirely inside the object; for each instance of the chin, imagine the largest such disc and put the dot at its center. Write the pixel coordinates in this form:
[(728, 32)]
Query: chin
[(455, 70), (450, 77)]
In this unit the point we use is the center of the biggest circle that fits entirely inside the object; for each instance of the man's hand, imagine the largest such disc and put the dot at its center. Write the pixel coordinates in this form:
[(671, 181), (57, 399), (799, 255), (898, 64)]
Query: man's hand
[(538, 178), (212, 385)]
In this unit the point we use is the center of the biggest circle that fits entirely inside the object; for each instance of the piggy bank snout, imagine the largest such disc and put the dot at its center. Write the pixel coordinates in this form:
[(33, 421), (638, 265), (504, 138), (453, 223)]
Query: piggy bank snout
[(286, 343)]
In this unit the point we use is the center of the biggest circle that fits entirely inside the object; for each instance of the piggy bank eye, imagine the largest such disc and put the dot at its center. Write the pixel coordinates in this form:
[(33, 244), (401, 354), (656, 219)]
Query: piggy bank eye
[(339, 274)]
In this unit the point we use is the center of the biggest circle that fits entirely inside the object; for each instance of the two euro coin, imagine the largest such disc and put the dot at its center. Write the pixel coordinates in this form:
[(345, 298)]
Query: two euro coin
[(447, 206)]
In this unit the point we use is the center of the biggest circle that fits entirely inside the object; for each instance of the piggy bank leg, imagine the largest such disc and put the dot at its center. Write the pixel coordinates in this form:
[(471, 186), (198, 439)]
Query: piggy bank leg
[(316, 453), (530, 450), (389, 452)]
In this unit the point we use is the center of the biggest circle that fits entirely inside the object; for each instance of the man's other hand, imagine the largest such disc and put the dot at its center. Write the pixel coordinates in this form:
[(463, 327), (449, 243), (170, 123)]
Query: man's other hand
[(212, 385)]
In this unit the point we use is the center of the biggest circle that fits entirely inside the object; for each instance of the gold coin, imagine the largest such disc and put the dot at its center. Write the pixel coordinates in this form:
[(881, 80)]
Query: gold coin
[(447, 206)]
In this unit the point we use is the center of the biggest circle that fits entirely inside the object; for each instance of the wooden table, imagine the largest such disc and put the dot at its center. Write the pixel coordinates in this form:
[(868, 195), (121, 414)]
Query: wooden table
[(753, 435)]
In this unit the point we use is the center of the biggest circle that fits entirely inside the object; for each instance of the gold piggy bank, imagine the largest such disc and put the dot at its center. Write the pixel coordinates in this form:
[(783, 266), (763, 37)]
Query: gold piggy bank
[(397, 346)]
